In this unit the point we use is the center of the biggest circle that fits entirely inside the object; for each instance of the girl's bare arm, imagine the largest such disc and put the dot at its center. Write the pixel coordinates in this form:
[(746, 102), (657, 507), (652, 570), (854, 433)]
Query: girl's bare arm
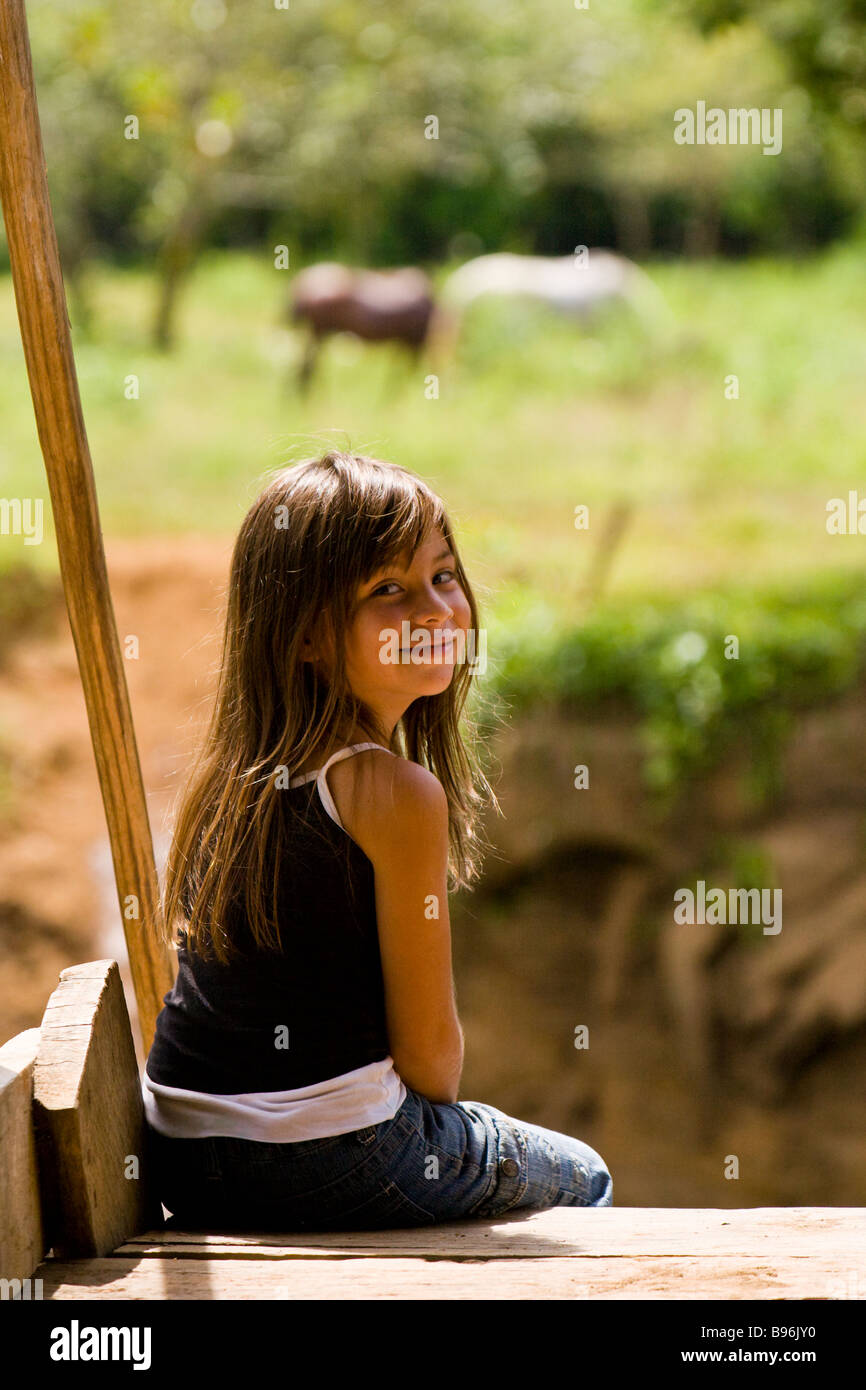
[(397, 812)]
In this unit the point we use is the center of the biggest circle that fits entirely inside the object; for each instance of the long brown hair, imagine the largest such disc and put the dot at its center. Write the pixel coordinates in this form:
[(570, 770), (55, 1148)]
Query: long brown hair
[(318, 530)]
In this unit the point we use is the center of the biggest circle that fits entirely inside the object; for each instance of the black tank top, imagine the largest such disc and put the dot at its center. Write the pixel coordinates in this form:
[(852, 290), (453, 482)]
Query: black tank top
[(224, 1028)]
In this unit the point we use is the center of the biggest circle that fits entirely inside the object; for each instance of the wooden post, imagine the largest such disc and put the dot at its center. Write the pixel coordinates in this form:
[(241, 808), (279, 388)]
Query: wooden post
[(88, 1116), (42, 313)]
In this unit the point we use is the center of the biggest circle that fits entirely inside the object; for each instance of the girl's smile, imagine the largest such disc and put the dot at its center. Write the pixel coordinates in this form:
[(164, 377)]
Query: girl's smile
[(441, 640)]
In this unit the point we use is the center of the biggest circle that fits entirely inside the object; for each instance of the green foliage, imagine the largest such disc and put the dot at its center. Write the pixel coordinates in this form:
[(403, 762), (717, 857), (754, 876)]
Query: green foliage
[(308, 126), (736, 862), (746, 863), (824, 43), (798, 646)]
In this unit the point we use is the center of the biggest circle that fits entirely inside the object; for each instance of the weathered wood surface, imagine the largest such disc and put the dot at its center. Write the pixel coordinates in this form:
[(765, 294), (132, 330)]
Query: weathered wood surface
[(561, 1232), (21, 1240), (721, 1277), (566, 1253), (89, 1117)]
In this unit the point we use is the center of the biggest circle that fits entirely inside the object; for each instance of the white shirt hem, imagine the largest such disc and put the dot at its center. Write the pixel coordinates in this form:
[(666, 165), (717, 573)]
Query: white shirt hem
[(340, 1105)]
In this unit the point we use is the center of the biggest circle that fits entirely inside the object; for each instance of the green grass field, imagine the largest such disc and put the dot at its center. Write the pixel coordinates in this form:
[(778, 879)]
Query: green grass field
[(536, 418)]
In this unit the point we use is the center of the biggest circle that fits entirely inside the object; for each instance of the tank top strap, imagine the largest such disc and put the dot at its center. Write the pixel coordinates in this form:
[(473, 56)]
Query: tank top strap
[(321, 778), (347, 752)]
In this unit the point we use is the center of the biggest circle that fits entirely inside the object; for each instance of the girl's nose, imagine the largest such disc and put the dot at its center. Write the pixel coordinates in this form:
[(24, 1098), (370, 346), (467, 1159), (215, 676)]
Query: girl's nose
[(435, 609)]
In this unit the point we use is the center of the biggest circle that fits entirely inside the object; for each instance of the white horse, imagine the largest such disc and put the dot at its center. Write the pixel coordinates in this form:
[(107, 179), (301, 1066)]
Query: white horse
[(575, 285)]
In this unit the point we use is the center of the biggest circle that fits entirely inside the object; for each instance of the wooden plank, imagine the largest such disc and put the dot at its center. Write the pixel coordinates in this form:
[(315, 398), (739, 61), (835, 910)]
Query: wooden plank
[(560, 1232), (722, 1277), (89, 1117), (21, 1240)]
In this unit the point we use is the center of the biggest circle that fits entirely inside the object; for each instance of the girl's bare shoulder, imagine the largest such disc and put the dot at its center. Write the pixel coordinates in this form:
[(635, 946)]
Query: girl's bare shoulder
[(376, 791)]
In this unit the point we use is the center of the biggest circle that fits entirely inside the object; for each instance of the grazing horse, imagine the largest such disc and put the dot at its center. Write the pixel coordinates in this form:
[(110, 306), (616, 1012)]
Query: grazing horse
[(572, 286), (376, 305)]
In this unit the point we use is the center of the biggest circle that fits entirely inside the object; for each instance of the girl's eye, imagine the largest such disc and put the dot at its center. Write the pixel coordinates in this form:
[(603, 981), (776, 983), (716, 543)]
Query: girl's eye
[(450, 577)]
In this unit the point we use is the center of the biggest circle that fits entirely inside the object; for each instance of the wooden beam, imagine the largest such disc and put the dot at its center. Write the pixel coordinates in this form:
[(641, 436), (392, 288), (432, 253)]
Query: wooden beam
[(45, 333)]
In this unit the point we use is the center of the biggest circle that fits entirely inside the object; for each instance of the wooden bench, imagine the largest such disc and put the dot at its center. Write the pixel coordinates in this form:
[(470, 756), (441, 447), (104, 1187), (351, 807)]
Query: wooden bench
[(77, 1211)]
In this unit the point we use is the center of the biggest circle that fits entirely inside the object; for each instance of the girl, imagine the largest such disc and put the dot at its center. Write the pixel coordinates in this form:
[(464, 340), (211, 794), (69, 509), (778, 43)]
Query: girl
[(306, 1065)]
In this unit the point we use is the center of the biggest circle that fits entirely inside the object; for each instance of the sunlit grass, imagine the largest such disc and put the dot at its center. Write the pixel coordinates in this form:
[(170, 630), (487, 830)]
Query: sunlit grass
[(535, 418)]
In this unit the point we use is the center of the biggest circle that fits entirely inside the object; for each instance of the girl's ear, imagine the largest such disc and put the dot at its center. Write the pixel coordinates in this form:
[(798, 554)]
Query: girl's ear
[(318, 643)]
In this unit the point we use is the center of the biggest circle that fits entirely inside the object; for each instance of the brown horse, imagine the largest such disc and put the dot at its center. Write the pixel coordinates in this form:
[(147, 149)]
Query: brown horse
[(375, 305)]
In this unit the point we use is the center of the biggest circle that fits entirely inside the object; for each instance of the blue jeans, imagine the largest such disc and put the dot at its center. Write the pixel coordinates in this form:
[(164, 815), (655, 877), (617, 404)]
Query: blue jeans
[(431, 1162)]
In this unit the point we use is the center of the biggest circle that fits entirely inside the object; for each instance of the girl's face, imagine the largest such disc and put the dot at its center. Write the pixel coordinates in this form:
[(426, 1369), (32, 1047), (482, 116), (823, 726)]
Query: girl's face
[(399, 645)]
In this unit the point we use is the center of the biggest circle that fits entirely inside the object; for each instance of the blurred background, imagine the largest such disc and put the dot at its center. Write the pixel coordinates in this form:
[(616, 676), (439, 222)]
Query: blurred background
[(705, 406)]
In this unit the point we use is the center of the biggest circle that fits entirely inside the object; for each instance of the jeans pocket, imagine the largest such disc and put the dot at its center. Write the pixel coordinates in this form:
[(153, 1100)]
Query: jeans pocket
[(371, 1138), (385, 1208)]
